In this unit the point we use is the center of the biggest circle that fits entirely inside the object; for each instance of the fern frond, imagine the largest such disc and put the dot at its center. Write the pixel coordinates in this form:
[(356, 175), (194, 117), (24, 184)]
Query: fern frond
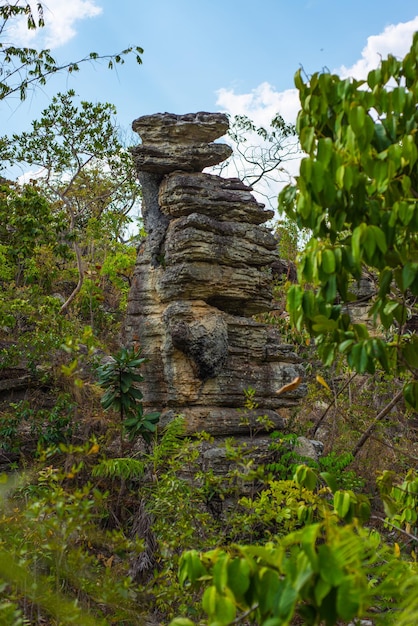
[(170, 442), (172, 437), (409, 606), (123, 468)]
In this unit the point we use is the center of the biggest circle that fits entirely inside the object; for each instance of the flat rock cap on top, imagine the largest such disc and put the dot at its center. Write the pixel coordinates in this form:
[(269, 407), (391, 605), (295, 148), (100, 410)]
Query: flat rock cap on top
[(190, 128)]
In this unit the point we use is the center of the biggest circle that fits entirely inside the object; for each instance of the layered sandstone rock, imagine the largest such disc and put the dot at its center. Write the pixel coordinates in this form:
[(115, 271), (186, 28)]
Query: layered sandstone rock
[(201, 273)]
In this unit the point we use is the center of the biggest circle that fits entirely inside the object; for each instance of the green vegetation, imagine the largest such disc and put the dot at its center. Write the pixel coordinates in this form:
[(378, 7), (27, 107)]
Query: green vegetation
[(108, 516), (118, 378), (357, 193)]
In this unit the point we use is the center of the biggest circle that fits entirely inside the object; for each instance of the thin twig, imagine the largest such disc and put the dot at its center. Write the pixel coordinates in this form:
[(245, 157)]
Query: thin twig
[(331, 404), (375, 422), (394, 449), (238, 619), (404, 532)]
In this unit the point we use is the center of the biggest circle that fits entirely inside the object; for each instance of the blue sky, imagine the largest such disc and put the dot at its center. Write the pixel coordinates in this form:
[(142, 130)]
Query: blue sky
[(237, 56)]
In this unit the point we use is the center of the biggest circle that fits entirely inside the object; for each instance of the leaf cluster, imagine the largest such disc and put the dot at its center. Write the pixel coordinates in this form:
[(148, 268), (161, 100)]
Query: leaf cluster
[(320, 573), (119, 377), (357, 192)]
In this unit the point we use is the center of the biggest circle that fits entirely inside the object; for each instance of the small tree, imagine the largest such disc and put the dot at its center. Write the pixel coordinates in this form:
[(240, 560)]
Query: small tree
[(120, 378), (357, 192), (85, 170)]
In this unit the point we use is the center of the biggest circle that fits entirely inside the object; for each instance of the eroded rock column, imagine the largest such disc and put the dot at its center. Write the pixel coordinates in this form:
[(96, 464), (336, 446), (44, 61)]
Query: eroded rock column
[(201, 274)]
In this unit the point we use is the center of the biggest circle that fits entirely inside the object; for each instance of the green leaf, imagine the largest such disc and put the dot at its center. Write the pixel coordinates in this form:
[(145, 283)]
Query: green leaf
[(308, 303), (409, 150), (307, 137), (345, 345), (294, 301), (109, 398), (330, 565), (340, 176), (380, 352), (327, 353), (305, 477), (330, 292), (239, 576), (153, 417), (410, 352), (149, 426), (356, 239), (348, 598), (306, 169), (406, 211), (287, 601), (331, 481), (409, 274), (220, 608), (342, 503), (308, 541), (379, 237), (328, 261), (374, 78), (410, 393), (318, 176), (270, 588), (385, 280), (325, 150), (357, 118), (136, 393), (191, 567), (299, 84), (321, 324), (322, 589)]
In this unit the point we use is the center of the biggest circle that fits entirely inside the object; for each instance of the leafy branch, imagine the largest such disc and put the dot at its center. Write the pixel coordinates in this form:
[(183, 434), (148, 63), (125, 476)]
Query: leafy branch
[(24, 67)]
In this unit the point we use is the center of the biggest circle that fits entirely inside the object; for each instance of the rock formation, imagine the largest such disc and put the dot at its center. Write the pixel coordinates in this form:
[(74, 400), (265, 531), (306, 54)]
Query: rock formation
[(201, 274)]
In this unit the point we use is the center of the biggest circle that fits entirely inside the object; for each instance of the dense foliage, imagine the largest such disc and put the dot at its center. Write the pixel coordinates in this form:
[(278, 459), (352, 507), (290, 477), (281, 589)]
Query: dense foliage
[(357, 191), (107, 516)]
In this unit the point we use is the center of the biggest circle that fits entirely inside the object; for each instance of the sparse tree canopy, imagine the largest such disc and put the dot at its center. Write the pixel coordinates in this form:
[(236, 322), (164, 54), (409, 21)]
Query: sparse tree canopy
[(260, 154)]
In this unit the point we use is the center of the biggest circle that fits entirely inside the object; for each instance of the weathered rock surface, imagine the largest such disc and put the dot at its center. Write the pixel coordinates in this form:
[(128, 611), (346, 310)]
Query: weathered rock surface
[(235, 290), (190, 158), (197, 237), (14, 379), (200, 275), (190, 128), (180, 142), (227, 199)]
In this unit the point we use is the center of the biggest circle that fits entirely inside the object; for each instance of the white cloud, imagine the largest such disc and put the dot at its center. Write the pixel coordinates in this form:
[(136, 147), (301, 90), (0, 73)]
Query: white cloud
[(261, 104), (34, 175), (264, 101), (396, 39), (60, 20)]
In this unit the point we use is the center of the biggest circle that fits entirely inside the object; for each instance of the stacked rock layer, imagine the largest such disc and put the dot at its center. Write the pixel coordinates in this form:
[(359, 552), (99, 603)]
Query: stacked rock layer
[(201, 274)]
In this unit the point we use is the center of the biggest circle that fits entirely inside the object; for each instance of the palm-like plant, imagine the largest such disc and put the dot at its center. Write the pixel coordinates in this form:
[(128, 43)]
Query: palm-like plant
[(120, 378)]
